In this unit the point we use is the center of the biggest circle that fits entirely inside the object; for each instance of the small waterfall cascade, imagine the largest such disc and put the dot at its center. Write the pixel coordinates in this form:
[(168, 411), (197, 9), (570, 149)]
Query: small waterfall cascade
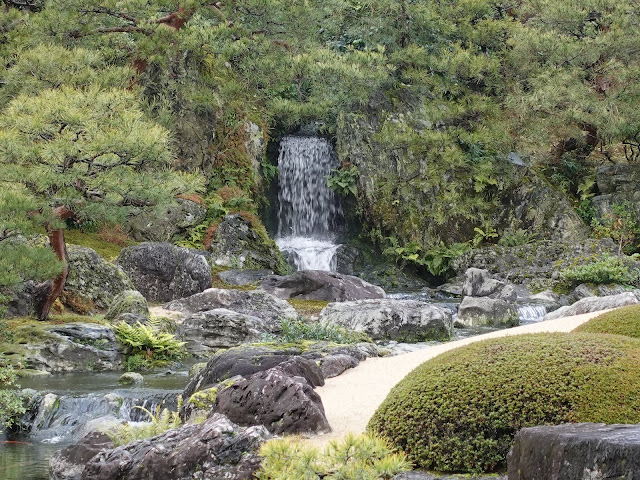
[(309, 210), (531, 313)]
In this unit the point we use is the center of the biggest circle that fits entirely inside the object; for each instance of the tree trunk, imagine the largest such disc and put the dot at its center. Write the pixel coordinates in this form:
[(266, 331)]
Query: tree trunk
[(47, 292)]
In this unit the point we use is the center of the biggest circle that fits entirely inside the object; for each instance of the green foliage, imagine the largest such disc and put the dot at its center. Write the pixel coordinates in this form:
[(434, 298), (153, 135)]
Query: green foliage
[(437, 260), (296, 330), (11, 405), (515, 238), (460, 410), (269, 171), (147, 346), (484, 236), (344, 180), (620, 225), (107, 250), (605, 269), (159, 422), (362, 457), (621, 321)]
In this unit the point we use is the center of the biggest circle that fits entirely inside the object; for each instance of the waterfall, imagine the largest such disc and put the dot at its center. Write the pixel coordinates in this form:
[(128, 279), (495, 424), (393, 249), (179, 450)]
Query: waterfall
[(309, 209), (531, 313)]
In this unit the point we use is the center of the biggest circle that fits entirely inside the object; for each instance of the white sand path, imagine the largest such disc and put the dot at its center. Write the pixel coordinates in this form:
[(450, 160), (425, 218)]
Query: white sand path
[(351, 399)]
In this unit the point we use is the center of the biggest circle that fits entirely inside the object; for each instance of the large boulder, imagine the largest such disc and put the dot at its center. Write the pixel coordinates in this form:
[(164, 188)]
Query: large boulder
[(243, 277), (478, 283), (163, 272), (583, 450), (208, 331), (93, 282), (480, 311), (321, 285), (129, 301), (594, 304), (68, 463), (236, 243), (256, 303), (163, 223), (214, 449), (284, 404), (402, 320)]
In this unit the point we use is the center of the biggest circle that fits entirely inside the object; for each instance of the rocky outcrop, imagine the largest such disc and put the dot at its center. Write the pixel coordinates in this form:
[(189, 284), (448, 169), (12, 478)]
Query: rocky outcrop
[(236, 243), (68, 463), (163, 223), (402, 320), (243, 277), (283, 403), (163, 272), (214, 449), (256, 303), (321, 285), (594, 304), (618, 185), (334, 365), (478, 283), (129, 301), (583, 450), (481, 311)]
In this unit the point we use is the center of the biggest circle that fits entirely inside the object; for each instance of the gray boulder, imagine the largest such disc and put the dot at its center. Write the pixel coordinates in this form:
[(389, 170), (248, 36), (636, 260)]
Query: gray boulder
[(594, 304), (162, 223), (321, 285), (481, 311), (402, 320), (163, 272), (346, 258), (585, 290), (284, 404), (129, 301), (68, 463), (214, 449), (256, 303), (131, 378), (219, 328), (334, 365), (478, 283), (243, 277), (575, 451)]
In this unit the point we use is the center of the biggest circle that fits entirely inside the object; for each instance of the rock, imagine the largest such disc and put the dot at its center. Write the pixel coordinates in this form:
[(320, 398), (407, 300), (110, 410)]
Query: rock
[(219, 328), (214, 449), (433, 476), (586, 290), (478, 311), (575, 451), (594, 304), (163, 223), (478, 283), (618, 185), (129, 301), (402, 320), (273, 398), (237, 244), (132, 319), (68, 463), (256, 303), (334, 365), (131, 378), (346, 258), (196, 368), (163, 272), (321, 285), (243, 277), (93, 282), (201, 403)]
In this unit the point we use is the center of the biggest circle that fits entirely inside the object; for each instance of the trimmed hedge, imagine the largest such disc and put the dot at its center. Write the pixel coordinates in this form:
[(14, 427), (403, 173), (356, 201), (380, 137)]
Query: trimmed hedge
[(621, 321), (460, 410)]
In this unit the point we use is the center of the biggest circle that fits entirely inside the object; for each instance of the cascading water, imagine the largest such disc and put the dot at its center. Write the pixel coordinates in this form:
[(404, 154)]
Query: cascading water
[(309, 209)]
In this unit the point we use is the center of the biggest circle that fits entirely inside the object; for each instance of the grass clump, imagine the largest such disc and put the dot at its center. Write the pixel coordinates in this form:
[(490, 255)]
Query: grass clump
[(354, 458), (621, 321), (460, 411), (160, 422), (296, 330), (147, 346), (606, 269)]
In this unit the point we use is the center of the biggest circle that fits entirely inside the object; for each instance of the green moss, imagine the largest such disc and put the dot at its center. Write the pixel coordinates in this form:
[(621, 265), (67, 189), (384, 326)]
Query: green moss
[(621, 321), (109, 251), (204, 398), (460, 410), (307, 308)]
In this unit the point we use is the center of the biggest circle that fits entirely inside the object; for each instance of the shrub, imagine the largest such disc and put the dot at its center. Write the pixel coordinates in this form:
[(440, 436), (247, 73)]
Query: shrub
[(148, 346), (11, 405), (354, 458), (607, 269), (296, 330), (460, 410), (621, 321)]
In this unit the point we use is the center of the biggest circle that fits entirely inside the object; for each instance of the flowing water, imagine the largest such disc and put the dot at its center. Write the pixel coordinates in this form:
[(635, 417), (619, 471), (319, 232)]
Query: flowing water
[(309, 210)]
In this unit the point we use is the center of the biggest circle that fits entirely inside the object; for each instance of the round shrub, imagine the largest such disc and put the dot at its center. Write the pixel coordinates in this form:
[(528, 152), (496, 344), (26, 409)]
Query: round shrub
[(460, 411), (621, 321)]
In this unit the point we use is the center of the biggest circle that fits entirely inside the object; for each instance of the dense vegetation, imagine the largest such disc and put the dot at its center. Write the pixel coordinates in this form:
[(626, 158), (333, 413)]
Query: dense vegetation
[(460, 411), (622, 321)]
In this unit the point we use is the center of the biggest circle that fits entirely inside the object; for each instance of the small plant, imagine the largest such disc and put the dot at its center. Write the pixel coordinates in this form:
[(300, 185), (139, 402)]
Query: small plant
[(114, 234), (439, 260), (269, 171), (295, 330), (11, 405), (621, 226), (160, 422), (487, 235), (6, 332), (607, 269), (147, 345), (195, 237), (353, 458), (344, 180), (515, 238)]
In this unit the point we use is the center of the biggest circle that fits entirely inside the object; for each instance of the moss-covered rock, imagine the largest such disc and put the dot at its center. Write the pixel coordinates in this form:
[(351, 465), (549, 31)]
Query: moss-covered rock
[(621, 321), (460, 410), (129, 301)]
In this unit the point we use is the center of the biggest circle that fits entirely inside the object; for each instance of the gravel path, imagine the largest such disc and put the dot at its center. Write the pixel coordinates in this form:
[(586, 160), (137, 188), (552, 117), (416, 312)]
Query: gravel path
[(351, 399)]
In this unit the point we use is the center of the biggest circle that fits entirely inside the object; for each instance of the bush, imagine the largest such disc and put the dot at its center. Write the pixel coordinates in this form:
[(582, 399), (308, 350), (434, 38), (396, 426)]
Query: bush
[(11, 405), (296, 330), (148, 346), (460, 410), (608, 269), (622, 321), (361, 457)]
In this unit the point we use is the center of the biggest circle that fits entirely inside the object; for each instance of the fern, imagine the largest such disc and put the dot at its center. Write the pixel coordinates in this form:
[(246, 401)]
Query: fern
[(149, 342)]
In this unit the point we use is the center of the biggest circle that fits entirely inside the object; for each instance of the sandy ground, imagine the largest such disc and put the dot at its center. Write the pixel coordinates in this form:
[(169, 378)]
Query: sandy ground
[(352, 398)]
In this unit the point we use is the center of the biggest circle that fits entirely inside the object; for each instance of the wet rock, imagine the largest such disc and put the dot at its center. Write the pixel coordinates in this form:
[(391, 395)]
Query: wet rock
[(346, 258), (129, 301), (244, 277), (131, 378), (68, 463), (334, 365), (214, 449), (583, 450), (321, 285), (164, 272), (594, 304), (478, 311), (282, 403), (163, 223), (402, 320), (256, 303), (478, 283)]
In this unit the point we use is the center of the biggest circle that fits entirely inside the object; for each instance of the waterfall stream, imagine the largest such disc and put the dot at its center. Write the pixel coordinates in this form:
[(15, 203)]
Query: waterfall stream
[(309, 209)]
